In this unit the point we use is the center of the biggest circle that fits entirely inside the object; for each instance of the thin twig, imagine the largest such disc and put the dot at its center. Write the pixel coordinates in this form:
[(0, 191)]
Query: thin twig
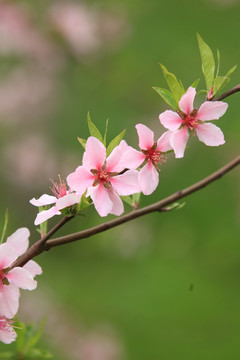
[(227, 93)]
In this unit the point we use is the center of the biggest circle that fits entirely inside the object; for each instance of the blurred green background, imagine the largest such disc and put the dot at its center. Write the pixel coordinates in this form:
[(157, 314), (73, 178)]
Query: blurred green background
[(166, 286)]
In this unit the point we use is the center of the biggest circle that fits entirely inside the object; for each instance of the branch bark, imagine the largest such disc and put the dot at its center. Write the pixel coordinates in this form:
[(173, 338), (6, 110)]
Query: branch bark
[(227, 93), (159, 206)]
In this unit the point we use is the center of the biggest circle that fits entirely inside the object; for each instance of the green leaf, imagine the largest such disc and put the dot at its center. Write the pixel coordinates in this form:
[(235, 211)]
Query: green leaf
[(175, 86), (82, 142), (136, 199), (127, 199), (115, 142), (34, 337), (105, 134), (218, 62), (93, 129), (4, 226), (208, 63), (202, 92), (195, 83), (167, 97), (219, 83), (84, 203), (231, 71)]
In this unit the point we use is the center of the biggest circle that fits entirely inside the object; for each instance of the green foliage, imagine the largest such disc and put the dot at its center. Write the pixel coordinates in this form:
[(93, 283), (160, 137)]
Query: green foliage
[(105, 134), (175, 86), (82, 142), (25, 345), (4, 226), (132, 200), (93, 129), (167, 97), (115, 142), (208, 63)]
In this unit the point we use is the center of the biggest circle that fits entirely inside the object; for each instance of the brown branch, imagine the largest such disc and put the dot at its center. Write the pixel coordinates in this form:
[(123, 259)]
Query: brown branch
[(227, 93), (159, 206), (39, 246)]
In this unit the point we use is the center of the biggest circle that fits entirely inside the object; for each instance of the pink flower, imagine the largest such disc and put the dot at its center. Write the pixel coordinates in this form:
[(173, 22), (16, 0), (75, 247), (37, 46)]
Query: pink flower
[(62, 199), (18, 277), (190, 120), (7, 334), (100, 177), (151, 156)]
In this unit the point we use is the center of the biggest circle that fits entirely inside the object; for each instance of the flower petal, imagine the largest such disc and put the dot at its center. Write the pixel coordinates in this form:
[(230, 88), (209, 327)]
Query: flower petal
[(186, 102), (9, 301), (33, 268), (43, 200), (19, 240), (117, 203), (7, 334), (67, 200), (95, 154), (113, 162), (100, 197), (127, 183), (163, 143), (210, 134), (21, 278), (146, 136), (80, 180), (132, 158), (170, 120), (7, 255), (148, 178), (211, 110), (46, 214), (179, 141)]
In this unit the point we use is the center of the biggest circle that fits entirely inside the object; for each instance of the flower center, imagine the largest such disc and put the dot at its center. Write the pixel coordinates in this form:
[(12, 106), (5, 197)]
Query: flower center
[(3, 279), (153, 155), (59, 190), (103, 177), (189, 121)]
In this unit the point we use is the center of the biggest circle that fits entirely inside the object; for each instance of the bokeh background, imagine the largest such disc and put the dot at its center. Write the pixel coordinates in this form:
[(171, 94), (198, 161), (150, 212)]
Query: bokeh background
[(166, 286)]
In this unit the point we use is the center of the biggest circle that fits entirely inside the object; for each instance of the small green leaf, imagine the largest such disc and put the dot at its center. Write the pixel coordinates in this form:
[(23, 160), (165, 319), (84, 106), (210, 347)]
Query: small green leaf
[(175, 86), (82, 142), (93, 129), (208, 63), (167, 97), (136, 199), (219, 83), (218, 62), (105, 134), (195, 83), (231, 71), (127, 199), (202, 92), (84, 203), (115, 142), (4, 226)]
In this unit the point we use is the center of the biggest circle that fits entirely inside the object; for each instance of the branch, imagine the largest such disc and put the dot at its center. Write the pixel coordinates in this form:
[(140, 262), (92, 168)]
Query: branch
[(160, 205), (228, 93)]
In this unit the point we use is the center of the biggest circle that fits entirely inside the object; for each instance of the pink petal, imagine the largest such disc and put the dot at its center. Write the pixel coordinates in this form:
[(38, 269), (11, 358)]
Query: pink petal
[(9, 301), (170, 120), (179, 141), (45, 215), (33, 268), (163, 143), (117, 208), (132, 158), (19, 240), (210, 134), (100, 197), (211, 110), (146, 136), (113, 162), (67, 200), (127, 183), (7, 255), (186, 102), (7, 334), (148, 178), (95, 154), (43, 200), (21, 278), (80, 180)]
